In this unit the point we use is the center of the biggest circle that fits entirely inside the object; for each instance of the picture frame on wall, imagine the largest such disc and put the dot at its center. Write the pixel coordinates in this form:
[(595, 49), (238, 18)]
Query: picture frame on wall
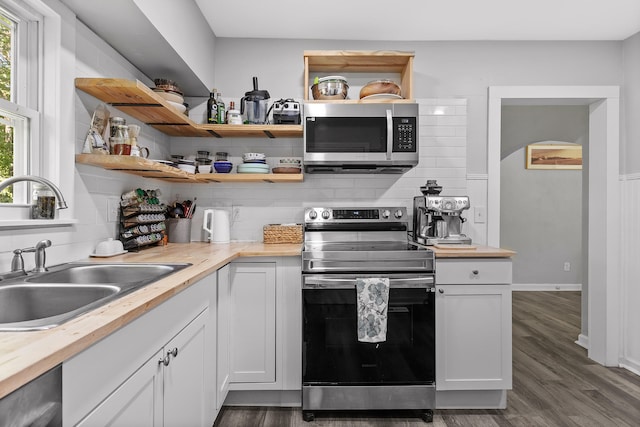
[(554, 156)]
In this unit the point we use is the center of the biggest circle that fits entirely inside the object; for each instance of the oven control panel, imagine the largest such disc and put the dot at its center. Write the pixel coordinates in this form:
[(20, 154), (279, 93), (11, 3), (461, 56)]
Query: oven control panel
[(355, 215)]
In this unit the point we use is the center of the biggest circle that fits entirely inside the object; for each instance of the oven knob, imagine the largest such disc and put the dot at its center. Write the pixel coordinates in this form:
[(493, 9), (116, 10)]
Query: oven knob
[(398, 214), (385, 214), (313, 214), (326, 214)]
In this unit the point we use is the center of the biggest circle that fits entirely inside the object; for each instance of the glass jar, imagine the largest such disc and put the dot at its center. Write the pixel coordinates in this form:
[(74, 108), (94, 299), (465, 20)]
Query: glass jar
[(44, 203), (120, 143)]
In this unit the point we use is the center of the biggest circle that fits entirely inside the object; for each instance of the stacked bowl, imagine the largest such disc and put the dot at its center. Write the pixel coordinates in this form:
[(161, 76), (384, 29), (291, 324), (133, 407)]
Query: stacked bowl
[(253, 163), (169, 90), (222, 166)]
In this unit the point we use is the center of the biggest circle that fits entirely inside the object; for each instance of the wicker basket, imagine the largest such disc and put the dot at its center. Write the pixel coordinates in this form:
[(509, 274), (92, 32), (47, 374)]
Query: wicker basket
[(277, 233)]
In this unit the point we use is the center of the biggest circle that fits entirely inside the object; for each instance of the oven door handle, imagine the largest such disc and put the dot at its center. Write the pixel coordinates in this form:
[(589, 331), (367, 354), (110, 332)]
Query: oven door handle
[(318, 282), (389, 134)]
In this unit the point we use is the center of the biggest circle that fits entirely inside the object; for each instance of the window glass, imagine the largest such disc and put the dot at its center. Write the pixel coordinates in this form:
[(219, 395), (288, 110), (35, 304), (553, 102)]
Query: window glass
[(18, 55)]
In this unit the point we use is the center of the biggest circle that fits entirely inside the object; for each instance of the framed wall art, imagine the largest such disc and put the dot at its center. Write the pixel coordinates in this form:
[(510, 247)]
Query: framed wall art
[(554, 156)]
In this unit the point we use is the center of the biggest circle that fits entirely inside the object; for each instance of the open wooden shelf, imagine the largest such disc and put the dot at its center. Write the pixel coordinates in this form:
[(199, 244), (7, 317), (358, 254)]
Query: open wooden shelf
[(251, 177), (137, 100), (255, 131), (152, 169), (360, 61)]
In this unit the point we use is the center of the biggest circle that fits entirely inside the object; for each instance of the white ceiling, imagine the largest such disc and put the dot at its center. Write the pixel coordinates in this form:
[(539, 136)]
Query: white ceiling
[(415, 20)]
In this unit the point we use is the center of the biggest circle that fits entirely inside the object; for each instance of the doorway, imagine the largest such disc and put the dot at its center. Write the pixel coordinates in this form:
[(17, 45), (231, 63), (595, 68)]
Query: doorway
[(600, 300)]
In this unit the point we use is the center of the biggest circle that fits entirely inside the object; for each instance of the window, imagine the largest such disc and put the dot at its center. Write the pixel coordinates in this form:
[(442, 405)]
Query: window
[(19, 83)]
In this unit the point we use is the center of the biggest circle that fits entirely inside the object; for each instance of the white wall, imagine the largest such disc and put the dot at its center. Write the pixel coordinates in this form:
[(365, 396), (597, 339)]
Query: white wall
[(630, 153)]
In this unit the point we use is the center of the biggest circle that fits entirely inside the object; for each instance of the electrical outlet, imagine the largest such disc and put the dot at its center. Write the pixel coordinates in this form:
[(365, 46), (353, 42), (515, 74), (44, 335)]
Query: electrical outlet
[(113, 209), (567, 266)]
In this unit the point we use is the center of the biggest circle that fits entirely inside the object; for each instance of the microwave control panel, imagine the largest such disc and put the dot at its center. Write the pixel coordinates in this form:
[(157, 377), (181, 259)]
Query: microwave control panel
[(405, 134)]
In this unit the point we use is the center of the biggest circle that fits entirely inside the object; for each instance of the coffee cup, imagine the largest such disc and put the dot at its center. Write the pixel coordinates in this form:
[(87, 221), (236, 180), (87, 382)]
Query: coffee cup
[(139, 151)]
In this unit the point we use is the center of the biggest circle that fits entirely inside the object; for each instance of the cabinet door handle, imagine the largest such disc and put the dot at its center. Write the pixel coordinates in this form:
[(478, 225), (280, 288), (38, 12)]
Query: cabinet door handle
[(475, 272), (165, 360), (441, 290), (173, 352)]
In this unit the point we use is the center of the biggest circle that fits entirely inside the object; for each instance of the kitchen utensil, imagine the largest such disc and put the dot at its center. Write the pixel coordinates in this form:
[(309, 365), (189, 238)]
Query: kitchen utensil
[(216, 223), (254, 104), (330, 87), (377, 87)]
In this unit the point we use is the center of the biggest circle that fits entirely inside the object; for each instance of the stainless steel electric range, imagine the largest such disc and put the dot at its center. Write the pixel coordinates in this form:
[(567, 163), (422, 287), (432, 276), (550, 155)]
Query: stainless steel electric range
[(343, 246)]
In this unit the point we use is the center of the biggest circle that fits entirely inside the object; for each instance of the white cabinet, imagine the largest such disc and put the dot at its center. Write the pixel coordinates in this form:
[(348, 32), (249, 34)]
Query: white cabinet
[(224, 333), (168, 390), (473, 324), (253, 322), (155, 371), (266, 330), (184, 376)]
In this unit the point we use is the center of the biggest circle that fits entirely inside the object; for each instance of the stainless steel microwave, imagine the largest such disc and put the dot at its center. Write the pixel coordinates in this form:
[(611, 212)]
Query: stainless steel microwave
[(360, 138)]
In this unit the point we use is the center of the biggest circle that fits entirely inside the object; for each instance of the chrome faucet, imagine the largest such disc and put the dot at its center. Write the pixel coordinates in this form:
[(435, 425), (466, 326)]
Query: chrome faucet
[(62, 204), (17, 263)]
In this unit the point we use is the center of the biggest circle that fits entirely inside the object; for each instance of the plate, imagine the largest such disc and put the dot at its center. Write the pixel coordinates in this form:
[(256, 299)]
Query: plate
[(383, 96), (253, 168), (107, 256), (255, 161)]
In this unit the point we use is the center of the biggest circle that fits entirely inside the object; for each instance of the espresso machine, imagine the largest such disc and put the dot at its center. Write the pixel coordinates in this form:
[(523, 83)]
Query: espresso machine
[(438, 219)]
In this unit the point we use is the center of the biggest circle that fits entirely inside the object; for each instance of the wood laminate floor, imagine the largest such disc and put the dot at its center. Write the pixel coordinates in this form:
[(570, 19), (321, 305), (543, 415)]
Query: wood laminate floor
[(554, 383)]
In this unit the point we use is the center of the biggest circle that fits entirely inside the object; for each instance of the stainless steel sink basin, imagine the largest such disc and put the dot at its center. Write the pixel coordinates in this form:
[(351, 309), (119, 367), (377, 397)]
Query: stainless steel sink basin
[(104, 273), (46, 300)]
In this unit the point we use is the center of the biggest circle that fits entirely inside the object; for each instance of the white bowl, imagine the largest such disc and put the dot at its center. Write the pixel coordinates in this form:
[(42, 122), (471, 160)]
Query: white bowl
[(170, 96), (253, 156), (187, 168), (180, 107)]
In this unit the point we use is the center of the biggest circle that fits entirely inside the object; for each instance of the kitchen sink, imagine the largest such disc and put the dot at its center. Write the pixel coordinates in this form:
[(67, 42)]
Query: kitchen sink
[(46, 300), (104, 273)]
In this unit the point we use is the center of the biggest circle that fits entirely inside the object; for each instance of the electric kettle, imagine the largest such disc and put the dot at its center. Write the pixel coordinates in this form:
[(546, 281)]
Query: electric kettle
[(254, 105), (216, 223)]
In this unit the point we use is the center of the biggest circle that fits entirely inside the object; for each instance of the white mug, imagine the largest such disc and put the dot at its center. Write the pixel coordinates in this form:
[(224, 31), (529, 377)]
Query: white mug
[(216, 223)]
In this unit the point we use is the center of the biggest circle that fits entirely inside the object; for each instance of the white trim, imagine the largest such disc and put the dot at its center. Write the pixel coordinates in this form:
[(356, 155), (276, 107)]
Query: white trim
[(477, 177), (631, 365), (546, 287), (604, 307), (583, 341), (630, 177)]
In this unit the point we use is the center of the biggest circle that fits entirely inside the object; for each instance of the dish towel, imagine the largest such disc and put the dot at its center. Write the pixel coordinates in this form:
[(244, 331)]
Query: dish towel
[(373, 298)]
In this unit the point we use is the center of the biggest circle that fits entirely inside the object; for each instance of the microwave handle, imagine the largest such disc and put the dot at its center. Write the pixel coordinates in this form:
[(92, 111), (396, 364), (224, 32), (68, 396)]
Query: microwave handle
[(389, 134)]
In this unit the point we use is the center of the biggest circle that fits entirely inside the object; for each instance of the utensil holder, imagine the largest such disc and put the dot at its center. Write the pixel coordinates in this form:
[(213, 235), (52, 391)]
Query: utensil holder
[(179, 230)]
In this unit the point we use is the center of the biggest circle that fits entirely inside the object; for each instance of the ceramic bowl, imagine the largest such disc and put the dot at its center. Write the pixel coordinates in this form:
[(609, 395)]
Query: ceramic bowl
[(187, 168), (223, 167), (253, 156)]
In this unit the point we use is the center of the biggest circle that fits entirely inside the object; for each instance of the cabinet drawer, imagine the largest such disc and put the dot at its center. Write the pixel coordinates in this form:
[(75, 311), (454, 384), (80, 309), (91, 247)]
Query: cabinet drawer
[(473, 271)]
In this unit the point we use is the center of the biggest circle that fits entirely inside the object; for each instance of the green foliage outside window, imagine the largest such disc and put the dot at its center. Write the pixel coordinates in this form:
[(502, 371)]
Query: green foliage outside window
[(6, 132)]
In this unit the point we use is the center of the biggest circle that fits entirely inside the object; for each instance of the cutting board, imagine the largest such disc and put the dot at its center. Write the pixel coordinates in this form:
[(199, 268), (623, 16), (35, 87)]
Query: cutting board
[(454, 246)]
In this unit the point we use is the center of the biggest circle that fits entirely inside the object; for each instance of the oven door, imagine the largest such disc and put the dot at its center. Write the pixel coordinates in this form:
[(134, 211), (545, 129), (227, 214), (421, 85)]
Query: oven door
[(332, 354)]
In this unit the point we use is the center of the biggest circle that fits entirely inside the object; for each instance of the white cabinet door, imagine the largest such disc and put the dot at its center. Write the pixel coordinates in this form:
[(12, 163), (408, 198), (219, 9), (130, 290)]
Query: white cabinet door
[(223, 313), (253, 322), (473, 337), (184, 376), (137, 402)]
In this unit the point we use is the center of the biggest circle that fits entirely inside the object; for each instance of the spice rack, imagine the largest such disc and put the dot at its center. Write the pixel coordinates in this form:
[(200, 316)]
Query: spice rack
[(141, 223)]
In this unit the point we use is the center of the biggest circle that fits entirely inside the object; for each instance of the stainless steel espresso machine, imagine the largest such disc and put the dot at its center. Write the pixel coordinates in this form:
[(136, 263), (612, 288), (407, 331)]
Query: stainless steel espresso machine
[(438, 219)]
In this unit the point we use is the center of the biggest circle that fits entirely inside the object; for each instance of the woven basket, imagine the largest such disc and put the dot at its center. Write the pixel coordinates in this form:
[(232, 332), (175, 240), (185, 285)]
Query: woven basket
[(276, 233)]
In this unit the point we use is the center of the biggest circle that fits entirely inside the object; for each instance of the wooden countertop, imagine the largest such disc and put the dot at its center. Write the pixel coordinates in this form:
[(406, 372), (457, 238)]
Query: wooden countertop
[(26, 355), (470, 251)]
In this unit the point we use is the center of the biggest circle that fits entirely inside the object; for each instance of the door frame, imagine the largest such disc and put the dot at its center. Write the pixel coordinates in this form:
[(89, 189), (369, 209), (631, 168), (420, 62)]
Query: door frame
[(602, 337)]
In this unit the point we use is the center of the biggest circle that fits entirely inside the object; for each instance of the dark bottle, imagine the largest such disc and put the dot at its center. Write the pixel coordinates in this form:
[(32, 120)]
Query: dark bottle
[(212, 107)]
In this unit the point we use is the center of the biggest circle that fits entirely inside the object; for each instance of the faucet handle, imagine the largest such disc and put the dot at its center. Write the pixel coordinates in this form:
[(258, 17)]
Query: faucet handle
[(17, 263)]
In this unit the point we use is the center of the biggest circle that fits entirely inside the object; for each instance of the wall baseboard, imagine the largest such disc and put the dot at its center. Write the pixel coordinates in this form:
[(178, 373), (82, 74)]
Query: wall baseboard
[(583, 341), (546, 287), (630, 365)]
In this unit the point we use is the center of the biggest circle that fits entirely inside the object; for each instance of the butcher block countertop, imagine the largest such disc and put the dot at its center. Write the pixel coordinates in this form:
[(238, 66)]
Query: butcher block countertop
[(26, 355), (470, 251)]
